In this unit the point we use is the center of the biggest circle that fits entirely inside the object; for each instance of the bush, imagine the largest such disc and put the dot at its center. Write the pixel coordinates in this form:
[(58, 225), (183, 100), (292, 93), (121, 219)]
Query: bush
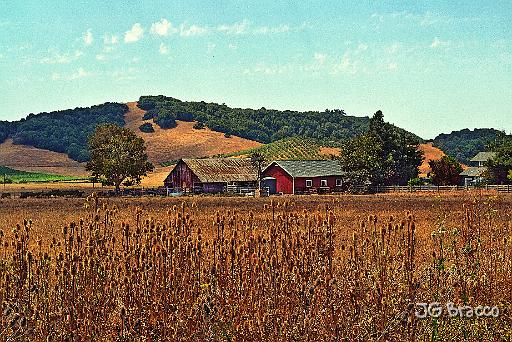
[(150, 114), (165, 122), (227, 135), (415, 182), (199, 125), (146, 128)]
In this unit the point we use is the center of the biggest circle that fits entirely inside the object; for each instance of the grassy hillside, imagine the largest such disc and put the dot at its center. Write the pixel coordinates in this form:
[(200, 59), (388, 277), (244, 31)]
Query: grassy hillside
[(294, 148), (64, 131), (465, 144), (262, 125), (16, 176)]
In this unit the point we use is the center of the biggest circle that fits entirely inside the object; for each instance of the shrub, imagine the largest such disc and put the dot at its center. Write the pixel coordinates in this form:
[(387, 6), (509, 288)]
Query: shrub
[(415, 182), (199, 125), (146, 128)]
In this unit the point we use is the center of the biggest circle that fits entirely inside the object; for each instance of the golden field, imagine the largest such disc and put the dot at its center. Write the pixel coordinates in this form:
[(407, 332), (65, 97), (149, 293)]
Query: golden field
[(317, 268)]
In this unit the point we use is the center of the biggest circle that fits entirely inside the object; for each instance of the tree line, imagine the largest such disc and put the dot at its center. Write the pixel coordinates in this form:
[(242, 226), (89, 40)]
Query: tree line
[(262, 125)]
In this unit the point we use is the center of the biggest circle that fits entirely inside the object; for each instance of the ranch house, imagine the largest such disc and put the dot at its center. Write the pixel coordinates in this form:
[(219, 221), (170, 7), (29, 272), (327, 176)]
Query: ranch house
[(476, 171), (213, 176), (305, 176)]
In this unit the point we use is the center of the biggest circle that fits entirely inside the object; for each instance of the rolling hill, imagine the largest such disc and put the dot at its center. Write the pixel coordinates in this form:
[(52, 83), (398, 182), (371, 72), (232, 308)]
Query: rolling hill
[(196, 129), (183, 141), (33, 159)]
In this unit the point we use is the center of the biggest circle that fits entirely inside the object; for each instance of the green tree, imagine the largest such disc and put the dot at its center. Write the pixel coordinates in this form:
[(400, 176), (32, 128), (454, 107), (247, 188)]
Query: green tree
[(361, 159), (399, 151), (117, 155), (445, 171), (500, 166)]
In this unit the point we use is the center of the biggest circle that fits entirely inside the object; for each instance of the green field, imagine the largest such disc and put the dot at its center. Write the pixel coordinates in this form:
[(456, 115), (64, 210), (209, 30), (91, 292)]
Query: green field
[(15, 176)]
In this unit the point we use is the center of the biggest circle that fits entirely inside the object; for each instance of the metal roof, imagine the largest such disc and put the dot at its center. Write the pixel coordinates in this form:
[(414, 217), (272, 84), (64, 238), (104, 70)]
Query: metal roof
[(310, 168), (221, 170), (483, 156), (473, 172)]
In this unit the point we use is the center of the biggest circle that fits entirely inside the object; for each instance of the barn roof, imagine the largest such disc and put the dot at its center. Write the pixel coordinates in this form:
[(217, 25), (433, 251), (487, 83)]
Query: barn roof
[(483, 156), (221, 170), (310, 168)]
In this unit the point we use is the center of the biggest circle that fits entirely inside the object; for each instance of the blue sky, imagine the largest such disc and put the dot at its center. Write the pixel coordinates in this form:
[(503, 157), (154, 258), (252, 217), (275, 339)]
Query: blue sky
[(430, 66)]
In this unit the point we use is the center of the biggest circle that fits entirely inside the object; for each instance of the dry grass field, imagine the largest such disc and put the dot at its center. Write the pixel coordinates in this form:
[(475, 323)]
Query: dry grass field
[(316, 268)]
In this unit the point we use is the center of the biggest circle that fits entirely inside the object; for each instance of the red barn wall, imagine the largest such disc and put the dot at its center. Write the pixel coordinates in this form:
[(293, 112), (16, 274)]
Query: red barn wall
[(300, 182), (284, 180), (182, 177)]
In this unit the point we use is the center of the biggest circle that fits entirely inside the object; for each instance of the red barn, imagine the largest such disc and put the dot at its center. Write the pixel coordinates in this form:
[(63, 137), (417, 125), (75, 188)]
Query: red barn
[(212, 175), (306, 176)]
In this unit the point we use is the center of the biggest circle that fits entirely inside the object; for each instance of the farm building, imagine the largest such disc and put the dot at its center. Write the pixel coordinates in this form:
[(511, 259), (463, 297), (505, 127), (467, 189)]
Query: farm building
[(475, 172), (213, 176), (305, 176)]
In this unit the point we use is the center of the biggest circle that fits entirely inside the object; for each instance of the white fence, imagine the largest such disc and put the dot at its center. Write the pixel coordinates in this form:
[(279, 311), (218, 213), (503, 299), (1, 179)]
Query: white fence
[(434, 188)]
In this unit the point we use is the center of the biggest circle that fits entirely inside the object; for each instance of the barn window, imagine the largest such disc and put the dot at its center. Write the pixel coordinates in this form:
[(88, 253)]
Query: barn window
[(309, 183), (339, 182), (323, 183)]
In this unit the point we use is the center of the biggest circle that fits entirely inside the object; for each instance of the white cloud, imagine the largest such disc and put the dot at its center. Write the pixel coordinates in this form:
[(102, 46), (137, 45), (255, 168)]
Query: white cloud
[(362, 47), (210, 47), (194, 30), (110, 39), (271, 30), (436, 43), (56, 57), (393, 48), (134, 34), (233, 46), (129, 74), (318, 63), (234, 29), (346, 65), (163, 49), (320, 58), (392, 66), (79, 73), (163, 28), (88, 37), (101, 57)]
